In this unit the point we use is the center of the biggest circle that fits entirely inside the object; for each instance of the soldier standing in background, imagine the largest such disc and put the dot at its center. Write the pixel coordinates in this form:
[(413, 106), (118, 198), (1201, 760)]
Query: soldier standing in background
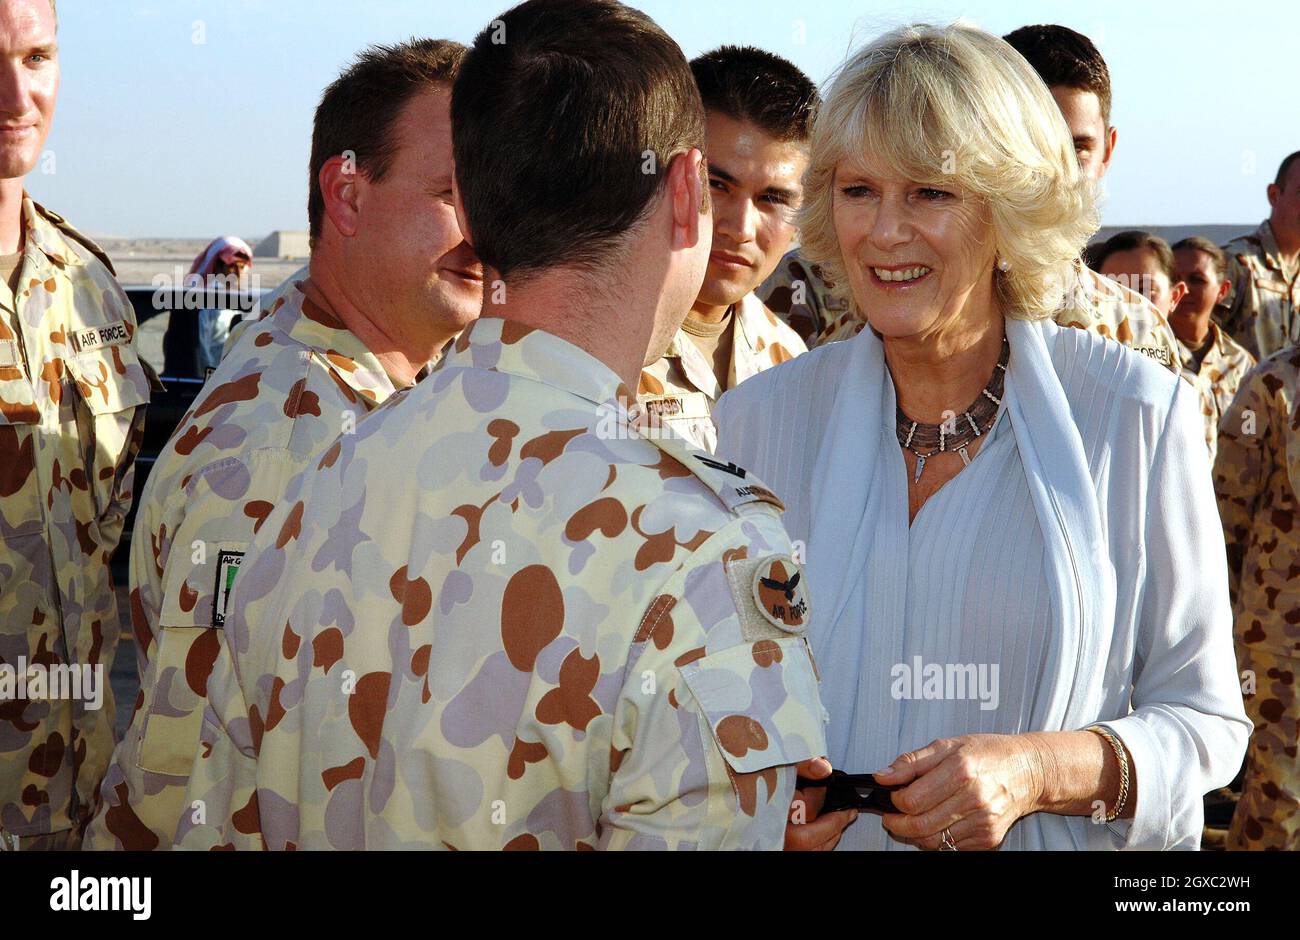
[(72, 402), (758, 110), (391, 281), (1257, 479), (1264, 271), (1212, 360), (539, 627)]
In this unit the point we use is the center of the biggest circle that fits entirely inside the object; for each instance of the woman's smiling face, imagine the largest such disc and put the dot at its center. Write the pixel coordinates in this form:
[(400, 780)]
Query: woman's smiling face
[(918, 256)]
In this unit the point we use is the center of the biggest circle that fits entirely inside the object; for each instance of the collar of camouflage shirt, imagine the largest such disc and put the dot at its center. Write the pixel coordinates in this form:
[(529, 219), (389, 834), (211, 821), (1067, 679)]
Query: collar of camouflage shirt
[(499, 345), (45, 236), (1272, 253), (351, 364), (694, 366)]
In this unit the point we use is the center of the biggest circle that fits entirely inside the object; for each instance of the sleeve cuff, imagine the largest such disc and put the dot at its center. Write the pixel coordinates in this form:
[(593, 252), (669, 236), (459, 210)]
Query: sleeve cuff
[(1149, 826)]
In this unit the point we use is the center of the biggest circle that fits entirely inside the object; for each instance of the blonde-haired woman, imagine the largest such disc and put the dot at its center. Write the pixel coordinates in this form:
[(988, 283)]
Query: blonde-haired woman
[(1018, 585)]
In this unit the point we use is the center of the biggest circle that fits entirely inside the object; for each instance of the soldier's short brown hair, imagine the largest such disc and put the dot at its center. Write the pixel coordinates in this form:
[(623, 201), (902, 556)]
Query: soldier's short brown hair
[(760, 88), (358, 112), (1218, 260), (1285, 165), (1132, 240), (565, 118), (1065, 58)]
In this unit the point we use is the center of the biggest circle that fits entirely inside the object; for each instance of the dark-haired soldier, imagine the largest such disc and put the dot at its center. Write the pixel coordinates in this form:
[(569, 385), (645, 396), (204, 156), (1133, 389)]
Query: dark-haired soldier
[(391, 281), (1210, 360), (758, 110), (1264, 271), (1078, 78), (539, 627)]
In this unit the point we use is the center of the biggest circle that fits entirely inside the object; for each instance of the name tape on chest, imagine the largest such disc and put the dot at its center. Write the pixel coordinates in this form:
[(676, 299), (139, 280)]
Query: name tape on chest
[(100, 337), (1158, 353), (684, 406)]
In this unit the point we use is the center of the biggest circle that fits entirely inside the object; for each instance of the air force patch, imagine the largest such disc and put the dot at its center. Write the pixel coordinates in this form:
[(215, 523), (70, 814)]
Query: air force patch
[(781, 593)]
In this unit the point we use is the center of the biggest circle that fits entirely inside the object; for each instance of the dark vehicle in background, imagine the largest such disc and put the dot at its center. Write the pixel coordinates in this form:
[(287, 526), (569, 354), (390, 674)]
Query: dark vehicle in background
[(168, 407)]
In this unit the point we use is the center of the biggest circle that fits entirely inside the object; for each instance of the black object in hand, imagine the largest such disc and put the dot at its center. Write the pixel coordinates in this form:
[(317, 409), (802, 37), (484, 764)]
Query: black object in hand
[(853, 791)]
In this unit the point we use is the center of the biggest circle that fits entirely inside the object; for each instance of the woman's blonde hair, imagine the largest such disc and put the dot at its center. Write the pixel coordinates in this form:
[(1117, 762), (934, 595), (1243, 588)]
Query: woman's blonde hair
[(955, 104)]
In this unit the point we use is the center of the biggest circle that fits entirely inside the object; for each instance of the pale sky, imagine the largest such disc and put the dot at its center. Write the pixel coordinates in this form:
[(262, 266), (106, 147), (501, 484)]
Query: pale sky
[(192, 118)]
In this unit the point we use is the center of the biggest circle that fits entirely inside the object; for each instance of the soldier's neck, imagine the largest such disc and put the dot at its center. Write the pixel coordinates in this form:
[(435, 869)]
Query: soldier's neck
[(704, 312), (11, 216), (1192, 330), (1288, 243), (611, 323), (394, 350)]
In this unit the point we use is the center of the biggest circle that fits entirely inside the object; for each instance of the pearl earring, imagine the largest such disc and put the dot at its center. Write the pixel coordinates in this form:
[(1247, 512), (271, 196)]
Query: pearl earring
[(1004, 265)]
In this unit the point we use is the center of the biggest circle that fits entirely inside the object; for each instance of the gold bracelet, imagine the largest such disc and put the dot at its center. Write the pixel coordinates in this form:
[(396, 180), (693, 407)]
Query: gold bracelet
[(1122, 757)]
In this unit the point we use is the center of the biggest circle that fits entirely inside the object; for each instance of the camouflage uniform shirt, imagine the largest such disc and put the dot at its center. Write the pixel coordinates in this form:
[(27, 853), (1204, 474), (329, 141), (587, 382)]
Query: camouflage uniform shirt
[(680, 390), (1256, 479), (291, 384), (500, 616), (72, 402), (801, 296), (1265, 295), (1221, 371)]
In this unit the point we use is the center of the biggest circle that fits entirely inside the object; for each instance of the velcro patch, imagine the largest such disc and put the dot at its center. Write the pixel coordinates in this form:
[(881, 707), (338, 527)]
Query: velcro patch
[(99, 337)]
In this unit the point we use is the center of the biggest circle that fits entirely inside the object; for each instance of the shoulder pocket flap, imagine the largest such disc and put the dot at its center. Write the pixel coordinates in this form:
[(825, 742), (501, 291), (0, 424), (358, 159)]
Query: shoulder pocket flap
[(761, 701), (109, 379)]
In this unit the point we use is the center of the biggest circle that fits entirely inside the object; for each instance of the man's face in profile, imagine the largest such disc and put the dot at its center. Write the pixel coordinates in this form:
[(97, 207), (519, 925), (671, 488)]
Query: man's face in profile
[(29, 83), (1094, 142)]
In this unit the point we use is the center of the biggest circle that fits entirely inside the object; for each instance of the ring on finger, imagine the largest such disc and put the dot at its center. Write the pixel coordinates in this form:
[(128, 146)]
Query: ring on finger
[(948, 844)]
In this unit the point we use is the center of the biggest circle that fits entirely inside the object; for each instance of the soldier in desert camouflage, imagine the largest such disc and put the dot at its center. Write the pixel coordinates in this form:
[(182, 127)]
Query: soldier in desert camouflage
[(758, 109), (391, 281), (1212, 360), (72, 402), (1264, 270), (1257, 479), (540, 628)]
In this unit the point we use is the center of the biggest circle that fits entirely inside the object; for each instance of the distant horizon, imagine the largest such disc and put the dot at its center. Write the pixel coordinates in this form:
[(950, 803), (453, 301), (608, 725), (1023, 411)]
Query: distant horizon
[(195, 115), (254, 240)]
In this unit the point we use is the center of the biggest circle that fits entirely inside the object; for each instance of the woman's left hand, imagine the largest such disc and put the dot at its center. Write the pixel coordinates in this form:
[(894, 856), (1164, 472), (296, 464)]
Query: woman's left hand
[(976, 786)]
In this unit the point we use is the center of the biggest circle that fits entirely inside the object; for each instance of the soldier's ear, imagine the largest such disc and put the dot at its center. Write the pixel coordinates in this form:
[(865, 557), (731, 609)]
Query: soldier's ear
[(461, 219), (1274, 194), (1176, 293), (339, 185), (690, 200), (1111, 137), (1225, 286)]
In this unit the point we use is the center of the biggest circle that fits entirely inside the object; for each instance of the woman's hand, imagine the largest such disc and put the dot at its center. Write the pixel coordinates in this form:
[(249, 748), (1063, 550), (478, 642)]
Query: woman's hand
[(806, 830), (976, 786)]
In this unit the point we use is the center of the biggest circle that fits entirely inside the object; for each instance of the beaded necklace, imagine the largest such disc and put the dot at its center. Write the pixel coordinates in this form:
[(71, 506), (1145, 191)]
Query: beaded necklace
[(926, 440)]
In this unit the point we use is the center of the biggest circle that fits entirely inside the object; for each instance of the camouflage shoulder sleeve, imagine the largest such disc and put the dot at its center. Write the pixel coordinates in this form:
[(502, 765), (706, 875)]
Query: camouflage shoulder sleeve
[(720, 696), (719, 701), (62, 224)]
